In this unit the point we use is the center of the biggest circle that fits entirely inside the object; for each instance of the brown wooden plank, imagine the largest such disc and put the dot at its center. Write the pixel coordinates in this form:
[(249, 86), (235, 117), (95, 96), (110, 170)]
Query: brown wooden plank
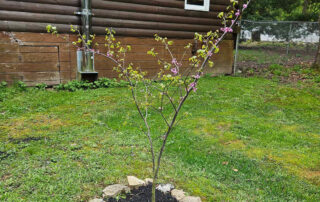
[(5, 48), (66, 75), (113, 14), (46, 39), (108, 74), (38, 48), (64, 56), (29, 67), (122, 6), (40, 27), (37, 7), (49, 83), (39, 57), (50, 18), (28, 57), (11, 77), (215, 5), (66, 66), (75, 3), (145, 33), (103, 22), (39, 17), (5, 37), (35, 77), (41, 76), (10, 57)]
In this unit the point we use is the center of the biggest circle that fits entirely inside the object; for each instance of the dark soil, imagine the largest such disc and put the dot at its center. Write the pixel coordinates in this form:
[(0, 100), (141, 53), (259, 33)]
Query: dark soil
[(3, 155), (25, 140), (143, 194)]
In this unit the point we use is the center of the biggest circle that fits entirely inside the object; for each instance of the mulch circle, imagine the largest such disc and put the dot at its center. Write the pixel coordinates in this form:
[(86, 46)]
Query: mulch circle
[(143, 194)]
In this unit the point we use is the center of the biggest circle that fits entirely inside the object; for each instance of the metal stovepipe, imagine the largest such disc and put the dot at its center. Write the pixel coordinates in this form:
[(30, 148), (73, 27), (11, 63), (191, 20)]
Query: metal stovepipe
[(86, 20)]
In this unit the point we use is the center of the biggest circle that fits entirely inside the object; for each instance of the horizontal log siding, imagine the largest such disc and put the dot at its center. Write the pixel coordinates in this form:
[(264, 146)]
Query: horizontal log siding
[(40, 57), (128, 17), (30, 55)]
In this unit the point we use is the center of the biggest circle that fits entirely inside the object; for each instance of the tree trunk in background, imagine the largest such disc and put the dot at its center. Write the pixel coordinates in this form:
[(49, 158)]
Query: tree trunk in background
[(256, 36), (305, 7), (317, 61)]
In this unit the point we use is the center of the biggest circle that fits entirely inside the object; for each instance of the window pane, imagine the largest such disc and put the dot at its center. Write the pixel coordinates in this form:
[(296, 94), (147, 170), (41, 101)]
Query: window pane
[(196, 2)]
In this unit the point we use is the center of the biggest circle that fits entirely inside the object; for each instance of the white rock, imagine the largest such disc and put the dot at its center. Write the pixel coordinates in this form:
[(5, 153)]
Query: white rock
[(96, 200), (178, 194), (114, 190), (191, 199), (135, 182), (148, 180), (165, 187)]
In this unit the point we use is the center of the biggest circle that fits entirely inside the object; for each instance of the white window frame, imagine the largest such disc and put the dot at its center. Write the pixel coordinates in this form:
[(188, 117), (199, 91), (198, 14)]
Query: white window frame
[(205, 7)]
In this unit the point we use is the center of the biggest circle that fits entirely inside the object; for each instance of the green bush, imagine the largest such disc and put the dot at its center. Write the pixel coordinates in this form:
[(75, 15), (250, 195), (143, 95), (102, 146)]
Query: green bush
[(3, 84), (317, 79), (85, 85), (297, 68), (279, 70), (41, 86), (20, 85), (276, 67)]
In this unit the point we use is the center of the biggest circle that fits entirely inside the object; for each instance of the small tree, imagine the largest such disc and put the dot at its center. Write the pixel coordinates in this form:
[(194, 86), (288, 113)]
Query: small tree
[(165, 94)]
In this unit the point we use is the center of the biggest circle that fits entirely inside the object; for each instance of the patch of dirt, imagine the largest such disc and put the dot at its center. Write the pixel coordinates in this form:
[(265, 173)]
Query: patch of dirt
[(5, 177), (24, 140), (143, 194), (313, 176), (3, 155)]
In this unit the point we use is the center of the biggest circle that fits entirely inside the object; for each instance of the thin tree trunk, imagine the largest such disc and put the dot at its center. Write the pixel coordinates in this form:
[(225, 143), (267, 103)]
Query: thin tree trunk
[(305, 7), (317, 60)]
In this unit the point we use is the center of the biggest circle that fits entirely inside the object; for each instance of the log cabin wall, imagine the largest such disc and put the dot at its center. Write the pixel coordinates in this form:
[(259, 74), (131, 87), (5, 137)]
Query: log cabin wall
[(29, 54)]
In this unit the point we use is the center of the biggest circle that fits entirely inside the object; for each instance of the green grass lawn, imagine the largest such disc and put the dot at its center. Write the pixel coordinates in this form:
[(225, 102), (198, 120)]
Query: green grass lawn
[(247, 139), (261, 56)]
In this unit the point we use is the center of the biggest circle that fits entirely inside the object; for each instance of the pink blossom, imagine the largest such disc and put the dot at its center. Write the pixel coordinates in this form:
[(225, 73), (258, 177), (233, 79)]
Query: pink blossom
[(174, 71), (245, 5), (193, 86), (196, 76), (237, 13), (174, 61), (109, 54), (232, 21), (209, 53), (227, 29)]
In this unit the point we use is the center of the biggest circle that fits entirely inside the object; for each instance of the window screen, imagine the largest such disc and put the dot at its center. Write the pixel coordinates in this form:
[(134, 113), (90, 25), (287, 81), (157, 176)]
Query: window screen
[(196, 2), (197, 5)]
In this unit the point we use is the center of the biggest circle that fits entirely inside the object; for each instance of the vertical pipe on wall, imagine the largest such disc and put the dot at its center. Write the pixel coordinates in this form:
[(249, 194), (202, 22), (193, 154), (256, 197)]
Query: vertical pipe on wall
[(86, 20), (86, 72)]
